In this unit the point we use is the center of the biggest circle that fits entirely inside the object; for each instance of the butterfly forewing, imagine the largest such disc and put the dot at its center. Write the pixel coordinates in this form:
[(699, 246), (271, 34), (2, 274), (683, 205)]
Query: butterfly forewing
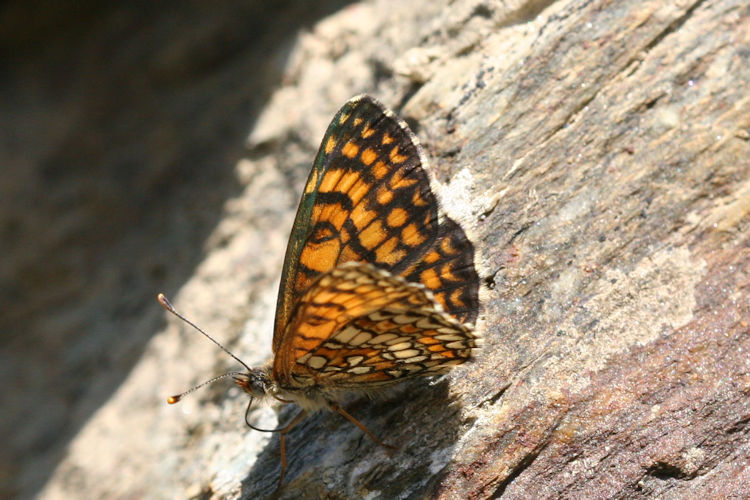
[(367, 199), (361, 326)]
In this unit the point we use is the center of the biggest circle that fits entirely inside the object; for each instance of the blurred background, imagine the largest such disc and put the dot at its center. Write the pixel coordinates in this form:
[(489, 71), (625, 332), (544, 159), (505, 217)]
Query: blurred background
[(121, 124)]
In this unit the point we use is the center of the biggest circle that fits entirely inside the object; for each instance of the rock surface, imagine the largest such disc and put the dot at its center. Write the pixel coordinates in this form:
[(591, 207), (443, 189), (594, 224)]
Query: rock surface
[(598, 152)]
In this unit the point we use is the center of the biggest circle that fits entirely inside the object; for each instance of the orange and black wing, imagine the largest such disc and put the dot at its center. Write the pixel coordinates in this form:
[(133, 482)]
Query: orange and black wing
[(447, 269), (368, 199), (360, 326)]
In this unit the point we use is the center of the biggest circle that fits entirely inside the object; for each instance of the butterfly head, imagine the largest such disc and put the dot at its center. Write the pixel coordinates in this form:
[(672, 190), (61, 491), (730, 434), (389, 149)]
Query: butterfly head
[(256, 382)]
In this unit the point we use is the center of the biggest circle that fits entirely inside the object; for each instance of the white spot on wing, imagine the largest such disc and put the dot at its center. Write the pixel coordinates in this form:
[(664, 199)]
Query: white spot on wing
[(360, 338), (317, 362), (407, 353)]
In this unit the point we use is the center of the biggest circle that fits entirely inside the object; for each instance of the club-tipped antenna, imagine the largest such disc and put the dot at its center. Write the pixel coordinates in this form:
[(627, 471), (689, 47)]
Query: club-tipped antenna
[(176, 398), (166, 304)]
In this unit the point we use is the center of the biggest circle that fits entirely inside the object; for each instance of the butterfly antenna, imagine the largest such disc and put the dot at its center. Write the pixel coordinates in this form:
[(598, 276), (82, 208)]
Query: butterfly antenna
[(174, 399), (166, 304)]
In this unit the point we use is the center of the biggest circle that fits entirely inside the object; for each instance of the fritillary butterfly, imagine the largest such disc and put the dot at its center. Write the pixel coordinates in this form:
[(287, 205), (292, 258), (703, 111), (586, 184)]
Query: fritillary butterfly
[(377, 285)]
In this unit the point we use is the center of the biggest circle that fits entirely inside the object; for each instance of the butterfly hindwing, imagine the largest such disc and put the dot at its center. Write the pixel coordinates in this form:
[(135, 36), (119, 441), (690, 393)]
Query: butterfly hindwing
[(361, 325)]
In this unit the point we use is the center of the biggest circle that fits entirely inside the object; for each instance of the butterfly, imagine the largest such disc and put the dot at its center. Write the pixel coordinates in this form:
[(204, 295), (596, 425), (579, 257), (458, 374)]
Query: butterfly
[(377, 286)]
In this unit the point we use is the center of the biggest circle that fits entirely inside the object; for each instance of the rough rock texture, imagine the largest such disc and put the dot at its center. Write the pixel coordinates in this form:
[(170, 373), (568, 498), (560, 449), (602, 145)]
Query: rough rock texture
[(599, 153)]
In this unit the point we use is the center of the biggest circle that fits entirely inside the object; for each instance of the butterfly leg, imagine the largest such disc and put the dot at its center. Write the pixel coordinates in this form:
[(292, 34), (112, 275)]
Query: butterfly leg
[(282, 443), (356, 422)]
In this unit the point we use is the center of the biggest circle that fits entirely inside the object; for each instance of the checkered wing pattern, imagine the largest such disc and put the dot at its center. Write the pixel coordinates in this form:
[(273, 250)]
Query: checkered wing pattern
[(368, 199), (360, 326)]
